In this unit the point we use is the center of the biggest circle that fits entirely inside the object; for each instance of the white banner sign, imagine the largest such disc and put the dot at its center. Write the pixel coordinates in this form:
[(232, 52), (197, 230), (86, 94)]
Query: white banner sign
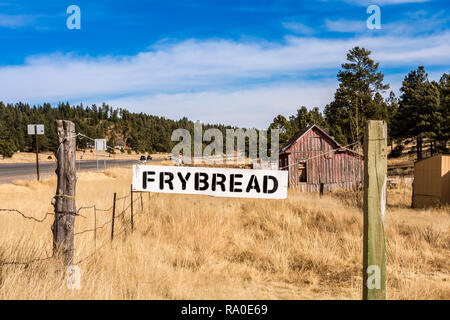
[(219, 182), (39, 128), (100, 144)]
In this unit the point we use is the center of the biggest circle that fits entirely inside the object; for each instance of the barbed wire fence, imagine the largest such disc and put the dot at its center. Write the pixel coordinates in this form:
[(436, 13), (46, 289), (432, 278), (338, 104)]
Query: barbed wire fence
[(128, 207)]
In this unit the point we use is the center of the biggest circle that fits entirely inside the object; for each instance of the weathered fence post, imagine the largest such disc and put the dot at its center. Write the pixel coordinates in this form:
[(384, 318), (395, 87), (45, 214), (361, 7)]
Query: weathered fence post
[(321, 189), (131, 207), (64, 200), (375, 168), (113, 217)]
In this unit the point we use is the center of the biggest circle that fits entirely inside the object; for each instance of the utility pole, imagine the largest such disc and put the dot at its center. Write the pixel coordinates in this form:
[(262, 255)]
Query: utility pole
[(374, 243)]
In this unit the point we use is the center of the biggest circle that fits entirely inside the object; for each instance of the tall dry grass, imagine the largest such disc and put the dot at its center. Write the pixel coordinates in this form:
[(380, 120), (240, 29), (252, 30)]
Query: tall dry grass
[(198, 247)]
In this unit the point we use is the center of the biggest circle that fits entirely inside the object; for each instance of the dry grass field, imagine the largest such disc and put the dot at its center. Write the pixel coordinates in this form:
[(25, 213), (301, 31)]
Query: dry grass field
[(198, 247)]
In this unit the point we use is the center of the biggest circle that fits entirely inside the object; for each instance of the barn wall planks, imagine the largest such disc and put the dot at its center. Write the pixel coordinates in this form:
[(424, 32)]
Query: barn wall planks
[(341, 169)]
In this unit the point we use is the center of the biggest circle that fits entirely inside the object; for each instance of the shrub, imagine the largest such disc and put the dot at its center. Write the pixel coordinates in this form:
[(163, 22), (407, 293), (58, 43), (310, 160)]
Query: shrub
[(397, 151)]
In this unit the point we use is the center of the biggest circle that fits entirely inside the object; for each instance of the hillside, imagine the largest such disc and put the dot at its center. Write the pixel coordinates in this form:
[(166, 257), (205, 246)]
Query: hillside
[(136, 131)]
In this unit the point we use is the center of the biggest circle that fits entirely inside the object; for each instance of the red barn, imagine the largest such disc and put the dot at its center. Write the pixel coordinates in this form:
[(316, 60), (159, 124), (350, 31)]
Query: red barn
[(313, 157)]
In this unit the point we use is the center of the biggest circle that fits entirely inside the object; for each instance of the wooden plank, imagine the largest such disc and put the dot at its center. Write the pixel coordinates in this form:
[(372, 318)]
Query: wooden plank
[(374, 246)]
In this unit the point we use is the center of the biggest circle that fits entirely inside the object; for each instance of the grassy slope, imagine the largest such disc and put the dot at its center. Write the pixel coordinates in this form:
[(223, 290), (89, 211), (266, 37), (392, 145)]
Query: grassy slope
[(188, 247)]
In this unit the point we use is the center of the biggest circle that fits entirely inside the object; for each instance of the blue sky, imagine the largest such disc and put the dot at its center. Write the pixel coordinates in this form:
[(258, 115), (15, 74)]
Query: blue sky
[(234, 62)]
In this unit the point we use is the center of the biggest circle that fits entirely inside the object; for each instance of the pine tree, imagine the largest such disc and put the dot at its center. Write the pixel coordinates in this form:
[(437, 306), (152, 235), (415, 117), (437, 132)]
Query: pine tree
[(419, 114), (392, 108), (358, 97), (443, 135), (300, 120), (284, 126), (6, 146)]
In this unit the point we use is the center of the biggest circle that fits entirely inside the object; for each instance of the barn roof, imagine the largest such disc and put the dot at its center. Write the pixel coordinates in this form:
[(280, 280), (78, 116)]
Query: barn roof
[(295, 137), (303, 131)]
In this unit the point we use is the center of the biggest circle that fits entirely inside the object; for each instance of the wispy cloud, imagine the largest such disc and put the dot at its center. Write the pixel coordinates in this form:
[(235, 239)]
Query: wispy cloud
[(15, 21), (344, 25), (256, 106), (298, 27), (383, 2)]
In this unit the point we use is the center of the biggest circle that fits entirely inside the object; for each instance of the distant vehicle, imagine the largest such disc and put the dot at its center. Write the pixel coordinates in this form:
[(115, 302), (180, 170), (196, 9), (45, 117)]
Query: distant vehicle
[(142, 159), (149, 157)]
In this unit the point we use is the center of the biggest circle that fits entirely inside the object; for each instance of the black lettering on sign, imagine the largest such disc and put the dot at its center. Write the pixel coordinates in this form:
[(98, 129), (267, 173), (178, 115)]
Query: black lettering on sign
[(184, 180), (204, 181), (253, 184), (220, 183), (234, 183), (162, 180), (265, 184), (146, 178)]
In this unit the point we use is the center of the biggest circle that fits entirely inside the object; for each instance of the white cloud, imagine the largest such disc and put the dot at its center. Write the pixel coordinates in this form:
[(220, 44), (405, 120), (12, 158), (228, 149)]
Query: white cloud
[(344, 25), (15, 21), (384, 2), (254, 107), (298, 27), (215, 78)]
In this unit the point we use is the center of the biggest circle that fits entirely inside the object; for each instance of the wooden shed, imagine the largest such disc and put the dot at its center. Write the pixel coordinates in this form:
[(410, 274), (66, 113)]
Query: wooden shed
[(431, 184), (314, 157)]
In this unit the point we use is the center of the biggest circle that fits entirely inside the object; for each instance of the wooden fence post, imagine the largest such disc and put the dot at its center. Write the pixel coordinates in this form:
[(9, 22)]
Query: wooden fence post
[(64, 200), (131, 207), (375, 169), (113, 217)]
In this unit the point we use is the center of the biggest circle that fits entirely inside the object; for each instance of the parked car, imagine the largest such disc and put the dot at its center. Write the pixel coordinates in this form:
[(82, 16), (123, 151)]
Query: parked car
[(149, 157), (142, 159)]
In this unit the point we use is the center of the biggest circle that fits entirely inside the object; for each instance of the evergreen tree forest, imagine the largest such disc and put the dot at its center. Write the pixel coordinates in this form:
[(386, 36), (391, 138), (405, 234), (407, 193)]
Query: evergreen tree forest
[(420, 114), (136, 131)]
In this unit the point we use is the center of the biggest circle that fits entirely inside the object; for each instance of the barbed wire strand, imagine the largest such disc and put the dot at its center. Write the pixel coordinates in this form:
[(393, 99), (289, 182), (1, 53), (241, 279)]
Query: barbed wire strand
[(26, 263), (28, 217)]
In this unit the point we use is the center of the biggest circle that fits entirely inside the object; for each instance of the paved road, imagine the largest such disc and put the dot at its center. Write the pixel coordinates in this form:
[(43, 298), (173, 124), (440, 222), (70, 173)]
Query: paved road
[(27, 171)]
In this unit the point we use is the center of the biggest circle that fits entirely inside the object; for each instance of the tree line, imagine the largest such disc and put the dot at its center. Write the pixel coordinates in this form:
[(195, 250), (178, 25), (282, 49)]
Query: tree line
[(421, 113), (135, 131)]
